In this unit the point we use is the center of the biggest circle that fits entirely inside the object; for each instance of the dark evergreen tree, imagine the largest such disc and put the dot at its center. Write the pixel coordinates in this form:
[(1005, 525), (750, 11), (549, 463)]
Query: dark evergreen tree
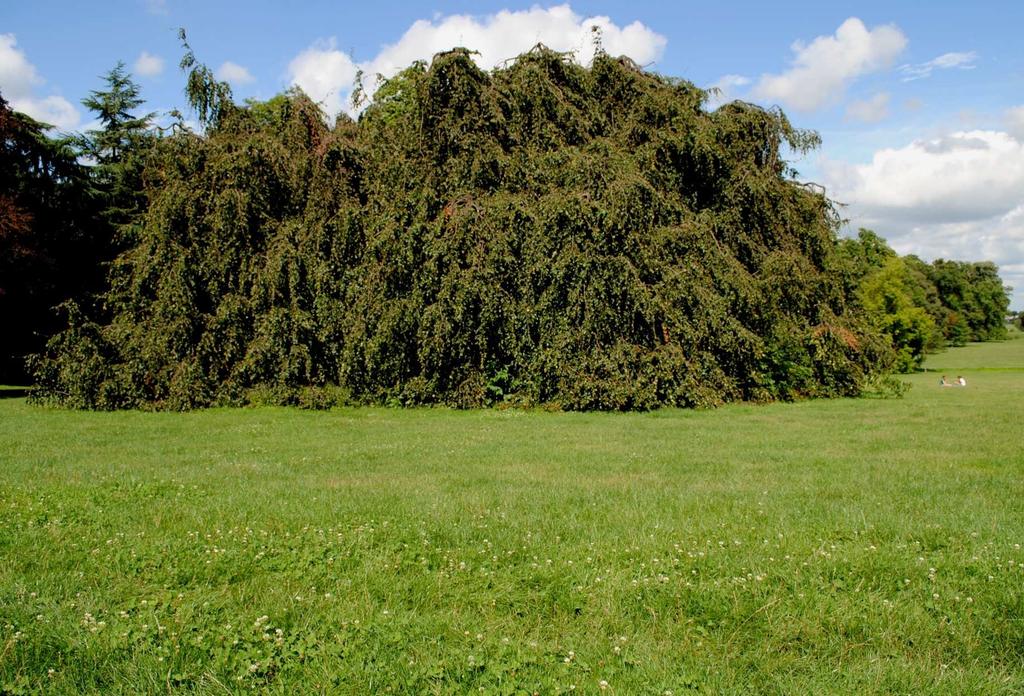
[(48, 229), (118, 149)]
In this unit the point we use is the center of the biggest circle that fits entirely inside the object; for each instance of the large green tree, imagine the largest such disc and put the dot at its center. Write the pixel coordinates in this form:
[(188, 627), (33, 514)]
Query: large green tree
[(48, 235), (973, 298), (118, 148), (591, 237), (896, 294), (64, 201), (885, 295)]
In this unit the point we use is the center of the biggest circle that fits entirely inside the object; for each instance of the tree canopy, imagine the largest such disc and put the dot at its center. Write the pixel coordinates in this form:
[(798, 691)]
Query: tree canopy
[(590, 237), (49, 236), (922, 307), (586, 237), (117, 148)]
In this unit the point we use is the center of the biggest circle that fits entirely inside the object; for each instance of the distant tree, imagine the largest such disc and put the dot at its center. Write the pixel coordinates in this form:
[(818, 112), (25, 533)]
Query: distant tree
[(857, 258), (48, 224), (990, 301), (974, 298), (118, 148), (924, 294), (954, 294), (868, 252), (964, 301), (886, 299)]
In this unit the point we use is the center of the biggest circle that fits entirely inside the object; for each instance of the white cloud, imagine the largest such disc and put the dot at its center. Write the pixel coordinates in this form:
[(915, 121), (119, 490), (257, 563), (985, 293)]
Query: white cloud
[(19, 82), (327, 74), (54, 110), (1015, 122), (957, 196), (870, 110), (919, 71), (157, 7), (822, 69), (148, 65), (17, 75), (234, 73), (965, 175), (727, 87), (999, 239)]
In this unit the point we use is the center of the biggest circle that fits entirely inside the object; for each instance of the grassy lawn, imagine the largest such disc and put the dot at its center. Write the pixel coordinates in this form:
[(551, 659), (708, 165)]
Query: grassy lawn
[(1000, 355), (845, 546)]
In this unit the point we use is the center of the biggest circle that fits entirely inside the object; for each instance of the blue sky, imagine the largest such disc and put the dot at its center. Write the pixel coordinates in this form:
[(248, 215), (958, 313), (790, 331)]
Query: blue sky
[(920, 104)]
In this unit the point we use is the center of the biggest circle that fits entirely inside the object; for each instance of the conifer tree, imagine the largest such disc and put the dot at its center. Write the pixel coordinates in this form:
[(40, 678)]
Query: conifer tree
[(47, 222), (118, 148)]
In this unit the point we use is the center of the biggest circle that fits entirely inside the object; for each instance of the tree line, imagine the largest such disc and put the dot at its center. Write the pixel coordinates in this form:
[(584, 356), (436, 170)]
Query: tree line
[(68, 203), (586, 237), (923, 307)]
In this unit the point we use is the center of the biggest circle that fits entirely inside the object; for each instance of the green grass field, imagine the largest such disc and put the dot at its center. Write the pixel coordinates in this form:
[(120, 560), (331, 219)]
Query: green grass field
[(1003, 355), (844, 546)]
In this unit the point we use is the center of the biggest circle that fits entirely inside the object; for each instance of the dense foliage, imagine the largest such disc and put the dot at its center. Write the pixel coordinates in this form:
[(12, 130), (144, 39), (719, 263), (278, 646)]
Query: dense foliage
[(591, 238), (65, 201), (923, 307), (118, 148), (547, 232), (51, 240)]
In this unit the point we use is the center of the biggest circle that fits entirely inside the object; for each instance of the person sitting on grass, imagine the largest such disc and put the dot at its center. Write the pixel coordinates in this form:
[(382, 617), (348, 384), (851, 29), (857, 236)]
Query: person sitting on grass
[(944, 383), (960, 381)]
